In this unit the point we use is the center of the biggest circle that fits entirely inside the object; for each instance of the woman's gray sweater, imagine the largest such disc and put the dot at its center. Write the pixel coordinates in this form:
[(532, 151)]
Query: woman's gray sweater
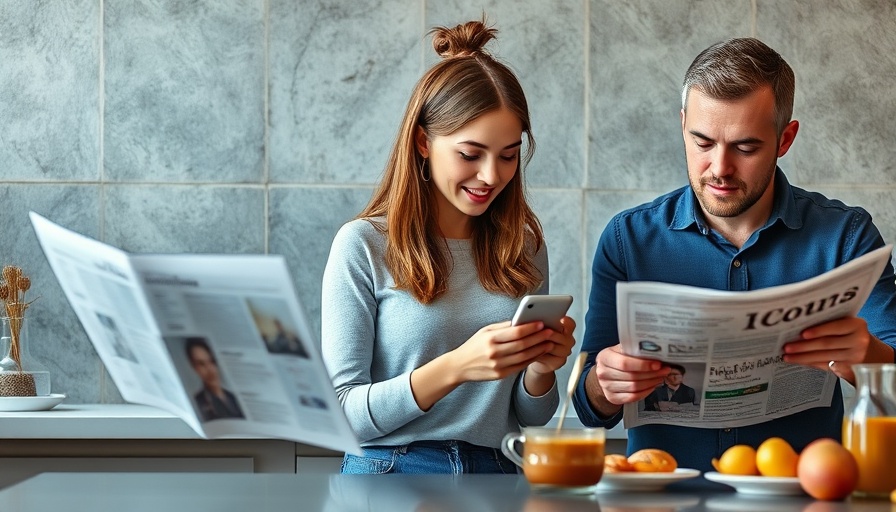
[(373, 337)]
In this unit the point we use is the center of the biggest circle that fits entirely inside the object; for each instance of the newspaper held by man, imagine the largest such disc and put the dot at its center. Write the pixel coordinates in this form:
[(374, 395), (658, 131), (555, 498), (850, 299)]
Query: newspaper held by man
[(220, 341), (726, 348)]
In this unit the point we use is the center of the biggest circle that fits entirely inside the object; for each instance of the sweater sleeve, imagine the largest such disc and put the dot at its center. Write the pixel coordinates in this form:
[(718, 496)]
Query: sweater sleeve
[(348, 334)]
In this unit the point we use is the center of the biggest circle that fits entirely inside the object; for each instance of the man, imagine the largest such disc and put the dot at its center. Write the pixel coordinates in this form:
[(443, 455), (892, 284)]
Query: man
[(214, 402), (284, 341), (672, 391), (739, 225)]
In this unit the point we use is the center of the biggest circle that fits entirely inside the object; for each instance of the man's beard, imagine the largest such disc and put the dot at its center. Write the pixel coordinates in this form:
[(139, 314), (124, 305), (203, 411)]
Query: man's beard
[(733, 206)]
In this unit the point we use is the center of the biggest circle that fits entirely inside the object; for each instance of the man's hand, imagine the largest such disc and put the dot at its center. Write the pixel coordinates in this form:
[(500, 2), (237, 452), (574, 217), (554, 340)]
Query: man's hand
[(619, 379), (836, 346)]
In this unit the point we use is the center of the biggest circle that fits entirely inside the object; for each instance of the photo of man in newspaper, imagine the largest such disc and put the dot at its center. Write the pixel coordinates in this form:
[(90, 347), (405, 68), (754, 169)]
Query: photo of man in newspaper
[(673, 395), (279, 338)]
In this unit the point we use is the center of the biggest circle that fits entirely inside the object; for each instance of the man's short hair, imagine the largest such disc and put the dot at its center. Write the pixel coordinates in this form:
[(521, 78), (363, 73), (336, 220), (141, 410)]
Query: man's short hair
[(732, 69)]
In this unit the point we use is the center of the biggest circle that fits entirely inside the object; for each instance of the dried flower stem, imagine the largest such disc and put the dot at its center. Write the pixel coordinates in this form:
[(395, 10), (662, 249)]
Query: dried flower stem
[(12, 292)]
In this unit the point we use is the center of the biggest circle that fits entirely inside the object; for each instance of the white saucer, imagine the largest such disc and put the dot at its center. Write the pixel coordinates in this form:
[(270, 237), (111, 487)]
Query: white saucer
[(30, 403), (637, 481), (759, 485)]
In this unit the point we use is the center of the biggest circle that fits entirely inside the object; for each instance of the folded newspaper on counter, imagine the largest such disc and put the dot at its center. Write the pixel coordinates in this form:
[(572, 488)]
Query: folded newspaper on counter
[(220, 341), (730, 344)]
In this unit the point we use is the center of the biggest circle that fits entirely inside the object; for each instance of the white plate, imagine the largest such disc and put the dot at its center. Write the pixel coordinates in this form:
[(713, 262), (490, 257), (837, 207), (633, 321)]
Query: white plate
[(30, 403), (637, 481), (768, 485)]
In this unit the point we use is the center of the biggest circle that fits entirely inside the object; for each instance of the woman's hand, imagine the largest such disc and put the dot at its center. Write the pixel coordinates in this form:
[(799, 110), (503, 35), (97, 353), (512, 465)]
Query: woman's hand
[(540, 374), (499, 350), (494, 352), (561, 345)]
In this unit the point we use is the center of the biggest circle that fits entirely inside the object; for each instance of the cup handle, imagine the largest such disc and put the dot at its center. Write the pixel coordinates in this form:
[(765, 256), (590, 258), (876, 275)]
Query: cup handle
[(508, 447)]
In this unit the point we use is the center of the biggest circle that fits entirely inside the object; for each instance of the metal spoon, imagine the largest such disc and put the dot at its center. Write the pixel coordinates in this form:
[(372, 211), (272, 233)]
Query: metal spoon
[(571, 386)]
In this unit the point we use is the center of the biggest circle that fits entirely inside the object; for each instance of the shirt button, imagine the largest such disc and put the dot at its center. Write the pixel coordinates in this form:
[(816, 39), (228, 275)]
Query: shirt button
[(736, 263)]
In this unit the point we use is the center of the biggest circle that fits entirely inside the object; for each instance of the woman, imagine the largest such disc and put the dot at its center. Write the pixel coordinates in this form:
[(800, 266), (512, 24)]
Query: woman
[(419, 288)]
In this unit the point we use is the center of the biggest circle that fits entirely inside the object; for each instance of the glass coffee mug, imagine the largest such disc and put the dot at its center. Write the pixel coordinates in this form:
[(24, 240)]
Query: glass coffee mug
[(569, 458)]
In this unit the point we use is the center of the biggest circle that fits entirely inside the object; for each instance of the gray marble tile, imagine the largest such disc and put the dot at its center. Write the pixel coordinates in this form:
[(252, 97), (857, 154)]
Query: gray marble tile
[(637, 57), (184, 90), (303, 222), (50, 90), (843, 59), (561, 219), (57, 338), (341, 74), (185, 218), (109, 393), (544, 44)]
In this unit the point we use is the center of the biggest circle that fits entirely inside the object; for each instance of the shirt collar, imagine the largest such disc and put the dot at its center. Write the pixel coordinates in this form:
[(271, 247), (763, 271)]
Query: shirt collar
[(688, 212)]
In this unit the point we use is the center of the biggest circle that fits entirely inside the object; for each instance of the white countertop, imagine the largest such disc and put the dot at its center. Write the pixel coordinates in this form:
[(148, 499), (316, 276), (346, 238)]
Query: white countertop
[(95, 421), (126, 421)]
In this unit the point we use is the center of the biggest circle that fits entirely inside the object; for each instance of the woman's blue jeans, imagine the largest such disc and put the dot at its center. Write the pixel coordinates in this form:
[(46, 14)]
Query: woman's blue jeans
[(446, 457)]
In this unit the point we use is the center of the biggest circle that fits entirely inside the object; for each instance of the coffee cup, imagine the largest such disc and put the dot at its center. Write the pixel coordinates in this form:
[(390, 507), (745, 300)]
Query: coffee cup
[(558, 458)]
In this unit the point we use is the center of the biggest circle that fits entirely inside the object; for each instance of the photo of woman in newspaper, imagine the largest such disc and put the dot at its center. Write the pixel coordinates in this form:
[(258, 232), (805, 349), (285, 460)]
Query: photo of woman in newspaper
[(213, 400)]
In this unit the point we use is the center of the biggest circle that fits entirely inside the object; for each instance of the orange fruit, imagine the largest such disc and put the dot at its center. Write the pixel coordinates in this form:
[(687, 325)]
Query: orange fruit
[(775, 457), (740, 459)]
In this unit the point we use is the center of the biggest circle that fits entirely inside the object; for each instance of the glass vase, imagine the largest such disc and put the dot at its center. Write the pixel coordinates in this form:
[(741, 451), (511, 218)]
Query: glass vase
[(869, 429), (20, 373)]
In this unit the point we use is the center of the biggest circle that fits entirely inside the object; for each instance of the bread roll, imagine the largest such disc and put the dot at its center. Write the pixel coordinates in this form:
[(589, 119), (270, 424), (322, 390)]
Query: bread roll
[(616, 463), (653, 460)]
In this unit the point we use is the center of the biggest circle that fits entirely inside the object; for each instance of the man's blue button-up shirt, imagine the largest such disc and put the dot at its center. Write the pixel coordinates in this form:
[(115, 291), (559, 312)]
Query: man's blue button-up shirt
[(668, 240)]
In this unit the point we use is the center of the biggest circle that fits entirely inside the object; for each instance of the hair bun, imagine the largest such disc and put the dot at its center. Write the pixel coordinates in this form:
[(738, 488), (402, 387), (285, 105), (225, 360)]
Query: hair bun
[(463, 40)]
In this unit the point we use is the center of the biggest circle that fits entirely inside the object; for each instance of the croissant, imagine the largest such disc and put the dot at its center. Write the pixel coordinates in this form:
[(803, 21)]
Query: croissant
[(617, 463), (653, 460)]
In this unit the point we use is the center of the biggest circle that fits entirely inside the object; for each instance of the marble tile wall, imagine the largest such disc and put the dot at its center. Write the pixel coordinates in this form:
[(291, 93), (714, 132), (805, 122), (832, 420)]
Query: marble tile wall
[(260, 126)]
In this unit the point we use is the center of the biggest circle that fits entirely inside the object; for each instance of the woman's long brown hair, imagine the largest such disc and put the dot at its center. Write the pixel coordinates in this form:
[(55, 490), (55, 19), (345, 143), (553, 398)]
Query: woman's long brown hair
[(466, 84)]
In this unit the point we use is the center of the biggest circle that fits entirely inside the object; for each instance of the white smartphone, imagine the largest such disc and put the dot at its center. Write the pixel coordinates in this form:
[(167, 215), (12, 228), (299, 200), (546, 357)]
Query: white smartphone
[(546, 308)]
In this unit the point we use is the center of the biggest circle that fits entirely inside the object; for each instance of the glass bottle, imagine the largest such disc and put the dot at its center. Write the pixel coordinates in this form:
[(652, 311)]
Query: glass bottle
[(869, 429), (20, 373)]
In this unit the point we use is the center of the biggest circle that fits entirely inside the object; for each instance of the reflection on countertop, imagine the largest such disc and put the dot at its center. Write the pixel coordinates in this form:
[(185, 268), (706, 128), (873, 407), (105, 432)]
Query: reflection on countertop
[(327, 492)]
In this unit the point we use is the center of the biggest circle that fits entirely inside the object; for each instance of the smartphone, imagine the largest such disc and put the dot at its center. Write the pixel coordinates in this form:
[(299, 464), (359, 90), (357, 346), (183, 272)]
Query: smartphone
[(546, 308)]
